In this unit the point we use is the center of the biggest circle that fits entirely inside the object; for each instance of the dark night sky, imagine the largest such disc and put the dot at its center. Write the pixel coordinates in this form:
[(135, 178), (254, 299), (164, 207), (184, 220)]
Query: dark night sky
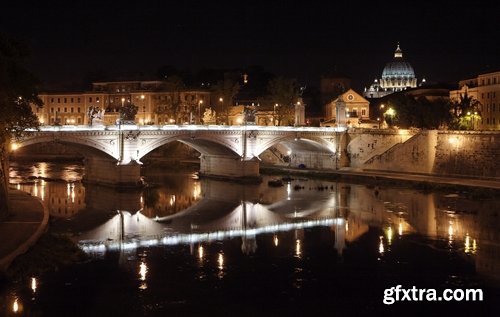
[(443, 40)]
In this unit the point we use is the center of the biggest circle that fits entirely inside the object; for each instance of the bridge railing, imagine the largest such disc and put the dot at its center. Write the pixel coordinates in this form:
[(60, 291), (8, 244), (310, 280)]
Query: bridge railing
[(170, 127)]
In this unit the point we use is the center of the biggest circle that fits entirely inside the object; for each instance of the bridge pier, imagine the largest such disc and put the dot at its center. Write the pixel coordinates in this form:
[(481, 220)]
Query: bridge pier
[(229, 167), (107, 172)]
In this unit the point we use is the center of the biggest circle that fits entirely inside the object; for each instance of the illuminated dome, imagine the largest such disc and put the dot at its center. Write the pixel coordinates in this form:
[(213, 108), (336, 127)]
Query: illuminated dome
[(398, 74)]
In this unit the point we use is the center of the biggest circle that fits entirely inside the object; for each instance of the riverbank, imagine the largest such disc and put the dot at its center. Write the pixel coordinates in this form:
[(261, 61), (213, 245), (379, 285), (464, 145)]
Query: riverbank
[(481, 186), (27, 221)]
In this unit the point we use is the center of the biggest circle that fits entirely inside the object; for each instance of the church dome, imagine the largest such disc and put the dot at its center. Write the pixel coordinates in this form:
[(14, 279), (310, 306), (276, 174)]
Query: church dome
[(398, 68)]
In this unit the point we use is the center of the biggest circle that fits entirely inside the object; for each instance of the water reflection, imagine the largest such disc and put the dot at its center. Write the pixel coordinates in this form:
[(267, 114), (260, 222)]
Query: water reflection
[(186, 211), (143, 270)]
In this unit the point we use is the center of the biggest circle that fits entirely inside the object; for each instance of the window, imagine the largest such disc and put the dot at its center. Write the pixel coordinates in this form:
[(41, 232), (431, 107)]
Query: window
[(52, 109), (65, 109), (78, 99), (51, 99), (72, 100), (72, 110), (58, 100), (97, 99), (363, 112), (65, 100), (58, 109), (78, 109)]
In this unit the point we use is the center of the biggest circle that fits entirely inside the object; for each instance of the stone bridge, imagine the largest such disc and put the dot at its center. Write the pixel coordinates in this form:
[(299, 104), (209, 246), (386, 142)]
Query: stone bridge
[(113, 153)]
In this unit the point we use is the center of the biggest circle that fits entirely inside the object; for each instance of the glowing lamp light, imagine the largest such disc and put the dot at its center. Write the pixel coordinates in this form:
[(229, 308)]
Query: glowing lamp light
[(381, 246), (200, 252), (15, 306), (33, 284), (143, 270), (14, 146), (220, 261)]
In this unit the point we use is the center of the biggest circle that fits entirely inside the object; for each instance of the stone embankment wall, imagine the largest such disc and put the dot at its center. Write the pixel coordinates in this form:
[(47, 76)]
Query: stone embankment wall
[(465, 153)]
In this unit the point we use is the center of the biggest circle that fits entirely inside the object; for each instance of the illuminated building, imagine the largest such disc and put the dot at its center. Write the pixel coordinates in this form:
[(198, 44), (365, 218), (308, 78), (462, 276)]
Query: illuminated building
[(397, 75), (156, 102), (349, 108), (485, 88)]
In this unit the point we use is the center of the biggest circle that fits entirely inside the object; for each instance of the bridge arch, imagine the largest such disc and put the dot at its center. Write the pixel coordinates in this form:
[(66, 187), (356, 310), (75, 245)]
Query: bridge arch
[(309, 143), (104, 144), (206, 144)]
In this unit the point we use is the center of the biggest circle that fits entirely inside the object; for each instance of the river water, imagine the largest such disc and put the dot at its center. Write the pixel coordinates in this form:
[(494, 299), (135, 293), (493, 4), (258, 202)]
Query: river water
[(199, 247)]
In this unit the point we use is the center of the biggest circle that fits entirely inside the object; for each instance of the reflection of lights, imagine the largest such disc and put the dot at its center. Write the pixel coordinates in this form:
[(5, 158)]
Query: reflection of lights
[(210, 236), (389, 234), (141, 200), (143, 270), (172, 200), (200, 252), (381, 246), (18, 186), (42, 169), (275, 239), (68, 189), (33, 284), (220, 261), (196, 190), (400, 229), (15, 306), (35, 189), (450, 231), (346, 226), (474, 246), (14, 146), (467, 243), (288, 190), (297, 248)]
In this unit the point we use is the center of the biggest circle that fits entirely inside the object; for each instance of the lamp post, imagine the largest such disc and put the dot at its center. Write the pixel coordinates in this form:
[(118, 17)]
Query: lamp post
[(120, 139), (199, 113), (221, 105), (274, 114), (143, 109)]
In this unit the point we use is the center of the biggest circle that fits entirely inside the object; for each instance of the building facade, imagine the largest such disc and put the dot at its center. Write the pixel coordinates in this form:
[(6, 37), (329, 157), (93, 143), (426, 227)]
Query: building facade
[(156, 104), (485, 88), (348, 109)]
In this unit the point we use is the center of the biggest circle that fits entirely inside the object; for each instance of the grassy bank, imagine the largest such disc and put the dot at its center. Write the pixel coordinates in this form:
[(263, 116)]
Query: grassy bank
[(50, 253)]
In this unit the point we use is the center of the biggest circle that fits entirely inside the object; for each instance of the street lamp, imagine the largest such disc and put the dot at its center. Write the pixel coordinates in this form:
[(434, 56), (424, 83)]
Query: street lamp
[(221, 105), (274, 114), (199, 105), (391, 112), (143, 109)]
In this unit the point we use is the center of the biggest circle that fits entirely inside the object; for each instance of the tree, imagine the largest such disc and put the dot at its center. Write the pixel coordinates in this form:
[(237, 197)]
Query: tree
[(464, 112), (18, 92), (225, 91), (283, 92), (417, 112), (128, 112)]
